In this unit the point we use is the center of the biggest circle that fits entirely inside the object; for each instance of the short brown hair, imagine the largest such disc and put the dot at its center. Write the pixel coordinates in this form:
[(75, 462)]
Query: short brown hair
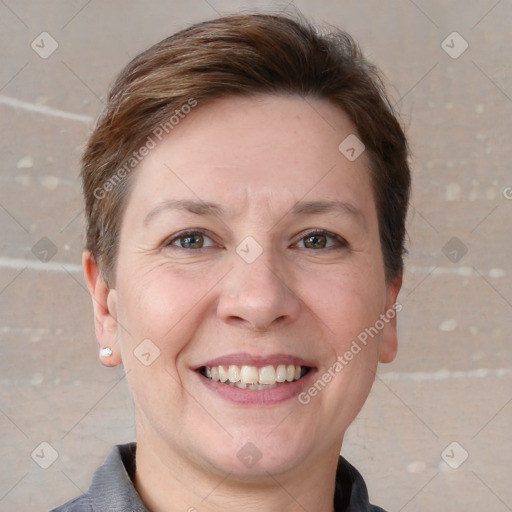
[(241, 55)]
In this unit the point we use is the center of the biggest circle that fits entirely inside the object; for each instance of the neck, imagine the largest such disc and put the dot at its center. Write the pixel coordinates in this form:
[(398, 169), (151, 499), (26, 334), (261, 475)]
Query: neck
[(169, 481)]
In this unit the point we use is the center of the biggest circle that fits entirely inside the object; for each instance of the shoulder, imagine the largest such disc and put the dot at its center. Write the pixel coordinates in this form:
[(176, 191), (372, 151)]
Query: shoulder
[(111, 486), (80, 504)]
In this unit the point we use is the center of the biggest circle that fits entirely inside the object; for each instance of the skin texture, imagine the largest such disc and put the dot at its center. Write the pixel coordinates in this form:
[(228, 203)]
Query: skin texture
[(256, 158)]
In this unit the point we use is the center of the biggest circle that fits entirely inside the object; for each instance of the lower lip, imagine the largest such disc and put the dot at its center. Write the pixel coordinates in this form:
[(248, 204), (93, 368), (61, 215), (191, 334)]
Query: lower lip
[(280, 393)]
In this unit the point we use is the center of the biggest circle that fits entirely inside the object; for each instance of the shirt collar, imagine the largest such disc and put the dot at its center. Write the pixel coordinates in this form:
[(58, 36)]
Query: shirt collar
[(112, 488)]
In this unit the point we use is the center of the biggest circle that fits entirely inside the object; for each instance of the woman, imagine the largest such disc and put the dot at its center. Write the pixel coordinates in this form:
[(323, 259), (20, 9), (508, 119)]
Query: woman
[(246, 191)]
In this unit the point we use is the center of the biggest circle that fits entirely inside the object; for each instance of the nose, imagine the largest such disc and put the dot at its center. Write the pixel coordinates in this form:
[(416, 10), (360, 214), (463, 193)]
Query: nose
[(256, 297)]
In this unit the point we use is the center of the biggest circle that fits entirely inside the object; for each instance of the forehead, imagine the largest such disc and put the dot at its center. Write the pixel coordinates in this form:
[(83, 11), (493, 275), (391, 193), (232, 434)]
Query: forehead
[(269, 151)]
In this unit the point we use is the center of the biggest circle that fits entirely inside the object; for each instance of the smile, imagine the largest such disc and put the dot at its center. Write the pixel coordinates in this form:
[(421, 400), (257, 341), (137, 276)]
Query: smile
[(254, 377)]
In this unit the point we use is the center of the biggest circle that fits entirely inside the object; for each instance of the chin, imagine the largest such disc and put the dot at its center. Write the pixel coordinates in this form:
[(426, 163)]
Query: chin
[(254, 453)]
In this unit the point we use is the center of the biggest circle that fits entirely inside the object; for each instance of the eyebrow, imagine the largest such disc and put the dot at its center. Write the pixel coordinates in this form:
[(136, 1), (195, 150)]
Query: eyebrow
[(197, 207), (315, 207), (203, 208)]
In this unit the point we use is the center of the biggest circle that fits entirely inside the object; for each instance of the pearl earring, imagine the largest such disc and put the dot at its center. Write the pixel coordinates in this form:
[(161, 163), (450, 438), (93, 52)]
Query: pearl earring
[(106, 352)]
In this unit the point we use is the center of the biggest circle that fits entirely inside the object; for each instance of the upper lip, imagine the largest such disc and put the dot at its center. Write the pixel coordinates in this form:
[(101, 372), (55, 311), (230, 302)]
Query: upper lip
[(243, 358)]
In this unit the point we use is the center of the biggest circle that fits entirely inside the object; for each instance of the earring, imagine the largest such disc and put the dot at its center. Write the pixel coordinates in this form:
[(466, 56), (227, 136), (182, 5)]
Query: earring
[(106, 352)]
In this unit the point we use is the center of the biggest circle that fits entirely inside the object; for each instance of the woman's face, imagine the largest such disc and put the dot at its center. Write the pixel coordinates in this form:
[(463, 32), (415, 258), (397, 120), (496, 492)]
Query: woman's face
[(249, 240)]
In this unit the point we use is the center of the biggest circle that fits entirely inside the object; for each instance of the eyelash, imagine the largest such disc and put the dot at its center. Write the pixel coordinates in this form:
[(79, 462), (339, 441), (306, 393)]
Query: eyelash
[(183, 234), (341, 242)]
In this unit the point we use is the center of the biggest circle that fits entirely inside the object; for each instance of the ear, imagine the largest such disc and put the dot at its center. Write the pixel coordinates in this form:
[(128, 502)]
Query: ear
[(389, 341), (104, 301)]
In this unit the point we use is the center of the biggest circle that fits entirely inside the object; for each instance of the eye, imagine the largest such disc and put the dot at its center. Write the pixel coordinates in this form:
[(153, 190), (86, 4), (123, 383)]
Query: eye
[(190, 240), (320, 239)]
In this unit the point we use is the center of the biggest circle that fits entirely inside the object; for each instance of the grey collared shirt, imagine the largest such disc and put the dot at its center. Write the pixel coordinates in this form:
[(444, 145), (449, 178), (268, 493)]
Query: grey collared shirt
[(112, 488)]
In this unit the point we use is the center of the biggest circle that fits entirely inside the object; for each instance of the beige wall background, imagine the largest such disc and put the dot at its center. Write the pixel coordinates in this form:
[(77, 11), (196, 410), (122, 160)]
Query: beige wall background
[(451, 382)]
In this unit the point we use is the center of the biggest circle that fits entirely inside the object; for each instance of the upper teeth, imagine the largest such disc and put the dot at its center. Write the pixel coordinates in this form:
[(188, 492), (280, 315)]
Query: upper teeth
[(254, 375)]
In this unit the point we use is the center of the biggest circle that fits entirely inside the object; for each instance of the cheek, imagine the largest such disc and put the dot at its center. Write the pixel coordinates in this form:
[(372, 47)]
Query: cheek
[(346, 302), (159, 315), (352, 307), (163, 306)]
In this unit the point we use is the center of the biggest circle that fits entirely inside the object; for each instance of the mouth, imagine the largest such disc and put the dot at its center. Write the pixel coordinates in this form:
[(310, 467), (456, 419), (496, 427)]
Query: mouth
[(253, 377), (255, 380)]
